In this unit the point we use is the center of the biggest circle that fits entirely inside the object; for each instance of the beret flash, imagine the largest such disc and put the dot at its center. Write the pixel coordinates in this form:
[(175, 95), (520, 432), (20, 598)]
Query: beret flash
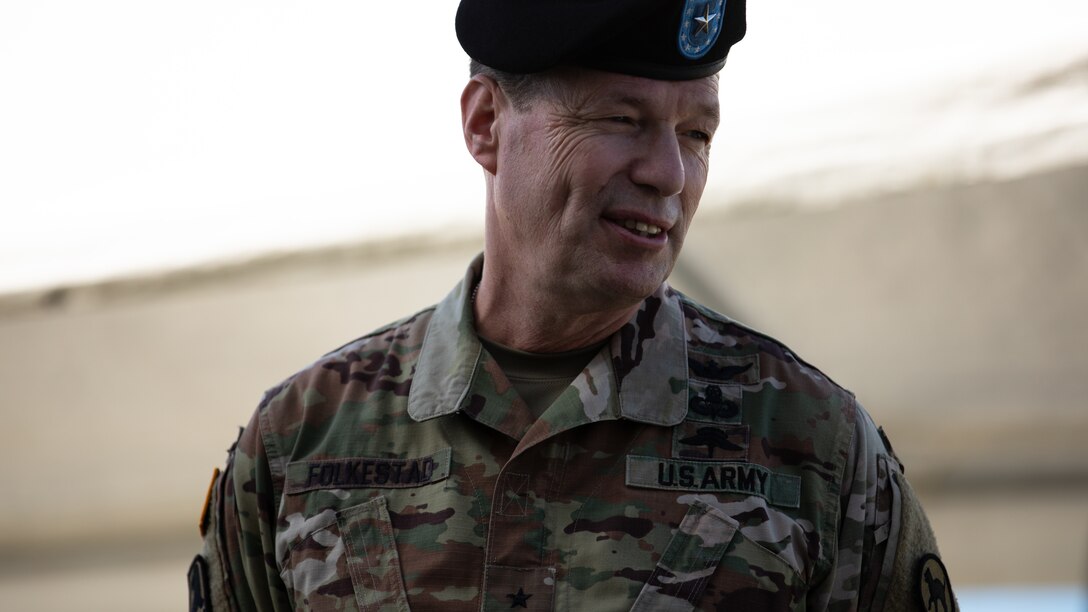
[(658, 39)]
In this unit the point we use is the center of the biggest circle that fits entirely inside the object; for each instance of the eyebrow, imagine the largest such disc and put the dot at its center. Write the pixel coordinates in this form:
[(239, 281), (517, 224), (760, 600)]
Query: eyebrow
[(632, 100), (710, 110)]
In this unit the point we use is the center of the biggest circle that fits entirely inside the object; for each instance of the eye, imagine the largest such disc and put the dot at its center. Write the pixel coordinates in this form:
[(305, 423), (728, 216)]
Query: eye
[(698, 135), (624, 119)]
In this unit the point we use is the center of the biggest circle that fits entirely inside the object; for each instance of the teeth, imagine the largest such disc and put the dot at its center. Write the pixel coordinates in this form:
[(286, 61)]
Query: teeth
[(643, 228)]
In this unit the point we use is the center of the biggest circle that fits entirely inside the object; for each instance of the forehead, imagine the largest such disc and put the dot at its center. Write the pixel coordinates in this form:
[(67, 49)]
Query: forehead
[(583, 88)]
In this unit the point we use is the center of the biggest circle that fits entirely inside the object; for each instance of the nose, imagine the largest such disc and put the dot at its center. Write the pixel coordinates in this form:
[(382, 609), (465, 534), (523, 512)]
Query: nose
[(660, 166)]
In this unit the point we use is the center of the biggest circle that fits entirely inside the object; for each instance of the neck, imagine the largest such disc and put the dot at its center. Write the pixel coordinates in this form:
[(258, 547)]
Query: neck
[(522, 320)]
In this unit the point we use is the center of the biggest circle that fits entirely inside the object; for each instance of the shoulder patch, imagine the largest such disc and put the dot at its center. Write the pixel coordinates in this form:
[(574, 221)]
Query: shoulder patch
[(200, 593), (934, 590), (205, 514)]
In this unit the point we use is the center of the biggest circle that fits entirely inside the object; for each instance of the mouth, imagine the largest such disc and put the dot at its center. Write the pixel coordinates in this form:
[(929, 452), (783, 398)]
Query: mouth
[(639, 228)]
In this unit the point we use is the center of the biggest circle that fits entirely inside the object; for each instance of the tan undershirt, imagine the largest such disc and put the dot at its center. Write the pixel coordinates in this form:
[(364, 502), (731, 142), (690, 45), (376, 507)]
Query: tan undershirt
[(539, 378)]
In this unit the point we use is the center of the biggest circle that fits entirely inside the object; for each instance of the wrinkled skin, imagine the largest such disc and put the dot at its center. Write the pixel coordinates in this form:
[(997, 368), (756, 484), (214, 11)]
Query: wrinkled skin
[(564, 177)]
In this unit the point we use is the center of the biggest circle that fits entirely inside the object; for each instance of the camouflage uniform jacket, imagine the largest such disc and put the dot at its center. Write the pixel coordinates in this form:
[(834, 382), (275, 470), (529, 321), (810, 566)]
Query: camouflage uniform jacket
[(693, 464)]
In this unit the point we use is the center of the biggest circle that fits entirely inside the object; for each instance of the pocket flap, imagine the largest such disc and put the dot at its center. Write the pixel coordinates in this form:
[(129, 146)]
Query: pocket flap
[(689, 560), (372, 557)]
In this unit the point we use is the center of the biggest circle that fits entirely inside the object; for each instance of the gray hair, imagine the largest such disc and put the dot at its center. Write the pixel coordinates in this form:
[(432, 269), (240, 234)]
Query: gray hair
[(521, 89)]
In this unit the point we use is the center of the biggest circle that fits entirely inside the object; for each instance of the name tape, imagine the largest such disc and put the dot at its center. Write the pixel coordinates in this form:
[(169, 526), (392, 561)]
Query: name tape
[(367, 472)]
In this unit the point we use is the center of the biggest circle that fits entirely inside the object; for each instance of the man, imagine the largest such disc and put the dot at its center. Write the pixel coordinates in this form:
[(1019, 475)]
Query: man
[(564, 431)]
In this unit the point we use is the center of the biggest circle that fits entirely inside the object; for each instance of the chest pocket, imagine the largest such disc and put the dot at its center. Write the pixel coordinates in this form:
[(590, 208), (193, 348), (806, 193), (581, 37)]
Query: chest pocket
[(710, 563), (349, 561), (360, 532)]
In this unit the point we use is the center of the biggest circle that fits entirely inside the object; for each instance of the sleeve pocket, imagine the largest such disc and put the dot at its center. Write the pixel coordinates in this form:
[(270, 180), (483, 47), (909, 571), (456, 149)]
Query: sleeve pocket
[(689, 560)]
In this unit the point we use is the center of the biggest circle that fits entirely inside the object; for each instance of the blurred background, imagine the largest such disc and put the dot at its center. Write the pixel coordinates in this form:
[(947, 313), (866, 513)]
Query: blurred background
[(198, 198)]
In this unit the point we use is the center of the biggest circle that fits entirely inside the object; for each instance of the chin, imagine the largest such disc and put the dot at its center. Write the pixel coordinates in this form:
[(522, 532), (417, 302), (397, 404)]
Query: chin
[(627, 290), (610, 284)]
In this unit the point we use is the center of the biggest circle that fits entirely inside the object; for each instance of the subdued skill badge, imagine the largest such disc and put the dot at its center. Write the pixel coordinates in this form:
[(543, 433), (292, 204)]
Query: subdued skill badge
[(700, 26), (934, 590)]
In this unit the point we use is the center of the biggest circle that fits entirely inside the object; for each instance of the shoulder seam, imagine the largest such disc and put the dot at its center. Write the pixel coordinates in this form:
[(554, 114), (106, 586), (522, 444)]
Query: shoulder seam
[(377, 332)]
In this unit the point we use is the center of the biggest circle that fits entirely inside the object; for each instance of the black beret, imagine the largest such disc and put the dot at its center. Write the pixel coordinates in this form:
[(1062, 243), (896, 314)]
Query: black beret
[(658, 39)]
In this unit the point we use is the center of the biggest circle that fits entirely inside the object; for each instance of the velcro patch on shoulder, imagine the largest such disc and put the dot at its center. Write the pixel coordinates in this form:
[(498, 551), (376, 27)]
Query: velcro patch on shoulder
[(200, 592), (367, 472), (934, 590), (716, 477)]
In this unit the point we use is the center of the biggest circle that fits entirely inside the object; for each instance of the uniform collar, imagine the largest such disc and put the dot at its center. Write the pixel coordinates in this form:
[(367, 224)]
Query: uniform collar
[(641, 374)]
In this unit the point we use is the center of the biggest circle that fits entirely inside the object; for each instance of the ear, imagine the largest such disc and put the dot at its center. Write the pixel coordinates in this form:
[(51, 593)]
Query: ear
[(480, 103)]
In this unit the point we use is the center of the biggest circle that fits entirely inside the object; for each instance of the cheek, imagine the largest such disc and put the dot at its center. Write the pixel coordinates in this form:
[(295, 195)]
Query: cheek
[(585, 160), (695, 173), (689, 201), (680, 230), (696, 165), (694, 183)]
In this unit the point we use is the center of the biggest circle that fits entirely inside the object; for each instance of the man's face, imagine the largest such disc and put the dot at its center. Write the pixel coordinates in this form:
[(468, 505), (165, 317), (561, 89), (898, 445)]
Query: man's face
[(597, 182)]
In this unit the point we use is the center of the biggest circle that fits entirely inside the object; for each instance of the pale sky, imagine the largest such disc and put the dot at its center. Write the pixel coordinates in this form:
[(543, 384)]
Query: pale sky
[(139, 135)]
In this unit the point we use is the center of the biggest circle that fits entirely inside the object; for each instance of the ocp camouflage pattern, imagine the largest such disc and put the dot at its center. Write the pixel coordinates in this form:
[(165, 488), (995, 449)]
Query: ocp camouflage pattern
[(694, 464)]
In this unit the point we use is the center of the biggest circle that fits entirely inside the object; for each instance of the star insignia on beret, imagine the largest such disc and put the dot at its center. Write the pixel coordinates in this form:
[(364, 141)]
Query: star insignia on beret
[(521, 598), (705, 19)]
